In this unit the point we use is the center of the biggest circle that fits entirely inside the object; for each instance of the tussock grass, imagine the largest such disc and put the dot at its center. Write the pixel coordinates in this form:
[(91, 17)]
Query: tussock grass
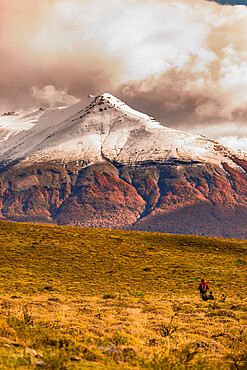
[(73, 298)]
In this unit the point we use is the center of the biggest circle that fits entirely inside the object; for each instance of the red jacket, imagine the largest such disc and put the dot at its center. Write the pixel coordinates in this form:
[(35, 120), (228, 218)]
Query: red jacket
[(204, 285)]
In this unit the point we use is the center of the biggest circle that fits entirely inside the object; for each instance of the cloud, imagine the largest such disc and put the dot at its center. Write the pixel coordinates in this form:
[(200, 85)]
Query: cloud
[(179, 98), (62, 57), (231, 134), (52, 97), (234, 142), (144, 37), (182, 61)]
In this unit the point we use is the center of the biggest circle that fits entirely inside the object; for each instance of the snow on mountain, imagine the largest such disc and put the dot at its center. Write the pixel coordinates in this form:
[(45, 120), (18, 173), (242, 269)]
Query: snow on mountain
[(101, 128), (100, 163)]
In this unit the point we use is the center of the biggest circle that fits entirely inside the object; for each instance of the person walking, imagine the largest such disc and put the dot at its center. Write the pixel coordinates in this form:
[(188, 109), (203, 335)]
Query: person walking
[(203, 287)]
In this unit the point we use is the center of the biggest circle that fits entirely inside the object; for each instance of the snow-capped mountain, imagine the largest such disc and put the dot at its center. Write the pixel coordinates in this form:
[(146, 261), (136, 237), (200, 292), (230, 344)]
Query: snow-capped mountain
[(97, 129), (101, 163)]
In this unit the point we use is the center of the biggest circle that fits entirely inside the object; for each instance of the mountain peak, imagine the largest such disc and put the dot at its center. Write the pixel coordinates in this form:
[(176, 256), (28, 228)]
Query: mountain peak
[(101, 128), (119, 104), (101, 163)]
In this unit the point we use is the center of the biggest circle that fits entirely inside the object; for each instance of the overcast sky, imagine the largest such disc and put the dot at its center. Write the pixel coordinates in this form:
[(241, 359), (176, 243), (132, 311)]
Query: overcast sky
[(183, 61)]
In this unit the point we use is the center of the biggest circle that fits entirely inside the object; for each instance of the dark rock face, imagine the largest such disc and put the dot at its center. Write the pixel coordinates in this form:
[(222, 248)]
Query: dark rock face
[(106, 201), (49, 193), (186, 198)]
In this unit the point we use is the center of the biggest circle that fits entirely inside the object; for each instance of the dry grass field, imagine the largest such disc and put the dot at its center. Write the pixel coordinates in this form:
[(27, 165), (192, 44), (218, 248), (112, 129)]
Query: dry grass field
[(74, 298)]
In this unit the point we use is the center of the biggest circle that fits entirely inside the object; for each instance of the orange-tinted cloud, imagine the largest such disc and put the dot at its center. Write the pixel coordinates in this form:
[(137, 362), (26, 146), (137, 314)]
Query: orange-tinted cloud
[(182, 61)]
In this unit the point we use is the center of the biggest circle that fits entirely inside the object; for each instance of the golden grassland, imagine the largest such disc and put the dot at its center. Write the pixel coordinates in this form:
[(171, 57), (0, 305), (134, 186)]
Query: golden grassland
[(78, 298)]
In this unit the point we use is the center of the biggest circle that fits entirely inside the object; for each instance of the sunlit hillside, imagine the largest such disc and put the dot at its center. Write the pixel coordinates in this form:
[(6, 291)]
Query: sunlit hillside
[(73, 298)]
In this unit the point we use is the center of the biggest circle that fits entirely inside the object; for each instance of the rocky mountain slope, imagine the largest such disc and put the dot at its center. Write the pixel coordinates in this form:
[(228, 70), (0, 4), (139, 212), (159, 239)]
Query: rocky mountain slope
[(100, 163)]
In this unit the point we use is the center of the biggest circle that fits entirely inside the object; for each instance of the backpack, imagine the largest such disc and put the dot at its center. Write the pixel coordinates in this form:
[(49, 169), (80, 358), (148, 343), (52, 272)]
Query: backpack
[(204, 287)]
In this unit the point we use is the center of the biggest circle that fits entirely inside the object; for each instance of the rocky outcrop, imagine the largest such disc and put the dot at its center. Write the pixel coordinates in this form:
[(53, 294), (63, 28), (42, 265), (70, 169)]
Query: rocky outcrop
[(187, 199), (106, 201)]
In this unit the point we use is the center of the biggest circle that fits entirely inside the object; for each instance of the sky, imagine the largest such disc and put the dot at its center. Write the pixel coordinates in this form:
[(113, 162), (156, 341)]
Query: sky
[(183, 62), (231, 2)]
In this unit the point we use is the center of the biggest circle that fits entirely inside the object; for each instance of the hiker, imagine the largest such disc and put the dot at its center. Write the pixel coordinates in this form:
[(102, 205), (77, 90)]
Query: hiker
[(203, 287), (210, 296)]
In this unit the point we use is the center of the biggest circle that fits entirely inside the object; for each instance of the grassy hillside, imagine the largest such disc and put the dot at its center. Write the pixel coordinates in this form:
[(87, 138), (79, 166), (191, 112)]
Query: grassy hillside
[(73, 298)]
